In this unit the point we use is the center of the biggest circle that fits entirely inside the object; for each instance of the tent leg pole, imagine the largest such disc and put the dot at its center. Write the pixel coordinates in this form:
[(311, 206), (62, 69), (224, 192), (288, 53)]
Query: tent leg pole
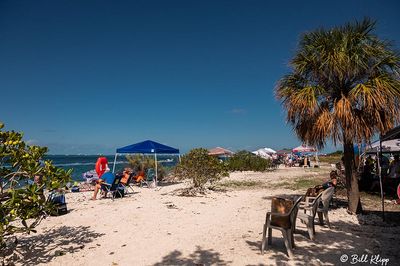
[(155, 160), (380, 178), (115, 161), (179, 157)]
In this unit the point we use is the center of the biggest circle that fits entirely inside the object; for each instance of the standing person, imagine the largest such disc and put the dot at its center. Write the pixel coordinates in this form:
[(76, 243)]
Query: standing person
[(101, 166), (392, 181), (394, 168), (305, 162), (385, 166)]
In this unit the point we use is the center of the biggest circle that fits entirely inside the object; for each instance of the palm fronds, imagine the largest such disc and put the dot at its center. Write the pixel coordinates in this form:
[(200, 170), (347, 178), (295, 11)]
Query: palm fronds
[(345, 83)]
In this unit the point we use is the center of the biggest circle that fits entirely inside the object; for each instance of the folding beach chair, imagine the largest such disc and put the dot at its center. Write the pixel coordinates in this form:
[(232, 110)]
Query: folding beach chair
[(128, 185), (115, 188), (150, 178)]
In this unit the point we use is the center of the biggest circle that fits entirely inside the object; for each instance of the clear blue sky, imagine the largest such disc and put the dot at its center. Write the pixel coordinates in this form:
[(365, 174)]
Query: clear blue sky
[(90, 76)]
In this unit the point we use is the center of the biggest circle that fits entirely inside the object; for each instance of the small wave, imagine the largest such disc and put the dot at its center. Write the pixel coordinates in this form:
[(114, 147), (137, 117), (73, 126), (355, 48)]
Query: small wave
[(77, 164)]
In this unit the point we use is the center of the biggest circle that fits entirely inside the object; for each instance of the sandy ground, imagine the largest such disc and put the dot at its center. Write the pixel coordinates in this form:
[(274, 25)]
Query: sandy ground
[(156, 227)]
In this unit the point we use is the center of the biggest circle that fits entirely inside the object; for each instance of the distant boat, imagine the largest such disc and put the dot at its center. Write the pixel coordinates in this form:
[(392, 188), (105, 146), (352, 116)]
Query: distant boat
[(166, 161)]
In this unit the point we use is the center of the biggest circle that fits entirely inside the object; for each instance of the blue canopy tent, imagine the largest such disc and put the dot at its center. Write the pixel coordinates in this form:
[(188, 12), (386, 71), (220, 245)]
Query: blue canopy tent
[(146, 147)]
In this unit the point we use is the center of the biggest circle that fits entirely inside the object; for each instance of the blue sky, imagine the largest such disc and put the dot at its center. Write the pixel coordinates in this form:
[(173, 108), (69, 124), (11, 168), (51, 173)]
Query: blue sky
[(91, 76)]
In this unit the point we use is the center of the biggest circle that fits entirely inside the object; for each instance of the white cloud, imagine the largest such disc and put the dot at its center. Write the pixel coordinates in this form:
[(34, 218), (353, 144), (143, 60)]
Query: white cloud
[(32, 142), (238, 111)]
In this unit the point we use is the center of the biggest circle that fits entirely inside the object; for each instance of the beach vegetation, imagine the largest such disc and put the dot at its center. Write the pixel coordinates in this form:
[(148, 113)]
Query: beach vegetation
[(200, 168), (331, 159), (344, 86), (301, 183), (247, 161), (142, 163), (238, 184), (23, 179)]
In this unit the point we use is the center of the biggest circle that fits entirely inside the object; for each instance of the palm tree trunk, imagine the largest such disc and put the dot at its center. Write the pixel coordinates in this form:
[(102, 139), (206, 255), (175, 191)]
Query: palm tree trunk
[(353, 193)]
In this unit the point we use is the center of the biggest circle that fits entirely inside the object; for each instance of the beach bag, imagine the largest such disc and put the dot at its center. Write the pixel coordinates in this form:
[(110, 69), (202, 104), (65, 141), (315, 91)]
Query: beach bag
[(75, 189), (60, 204)]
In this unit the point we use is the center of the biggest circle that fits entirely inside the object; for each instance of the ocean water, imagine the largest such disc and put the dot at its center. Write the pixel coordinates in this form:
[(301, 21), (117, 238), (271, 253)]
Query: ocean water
[(83, 163)]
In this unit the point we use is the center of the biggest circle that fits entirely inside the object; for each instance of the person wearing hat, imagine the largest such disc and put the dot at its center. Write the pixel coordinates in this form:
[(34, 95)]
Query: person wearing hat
[(107, 177), (313, 192)]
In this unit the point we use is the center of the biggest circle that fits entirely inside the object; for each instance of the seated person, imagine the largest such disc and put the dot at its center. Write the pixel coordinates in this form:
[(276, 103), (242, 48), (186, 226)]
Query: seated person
[(333, 182), (125, 176), (313, 192), (139, 176), (107, 177)]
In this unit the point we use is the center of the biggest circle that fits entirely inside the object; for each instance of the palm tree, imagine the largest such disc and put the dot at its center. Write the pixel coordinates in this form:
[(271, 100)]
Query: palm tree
[(344, 86)]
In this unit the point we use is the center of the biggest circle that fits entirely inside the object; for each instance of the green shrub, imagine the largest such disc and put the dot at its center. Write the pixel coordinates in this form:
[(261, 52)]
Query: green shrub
[(23, 178), (247, 161), (200, 167), (142, 163)]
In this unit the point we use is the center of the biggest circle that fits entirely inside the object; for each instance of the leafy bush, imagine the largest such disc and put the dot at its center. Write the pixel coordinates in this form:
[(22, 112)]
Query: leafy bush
[(23, 178), (336, 153), (247, 161), (200, 167), (142, 163)]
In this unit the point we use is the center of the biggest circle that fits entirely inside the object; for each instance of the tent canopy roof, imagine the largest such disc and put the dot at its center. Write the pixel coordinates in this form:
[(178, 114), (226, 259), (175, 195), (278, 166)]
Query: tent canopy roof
[(304, 148), (265, 150), (392, 145), (219, 151), (392, 134), (148, 146)]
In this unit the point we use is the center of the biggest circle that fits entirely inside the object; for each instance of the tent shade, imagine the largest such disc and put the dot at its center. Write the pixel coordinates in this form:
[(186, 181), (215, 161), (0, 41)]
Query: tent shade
[(148, 146), (220, 151)]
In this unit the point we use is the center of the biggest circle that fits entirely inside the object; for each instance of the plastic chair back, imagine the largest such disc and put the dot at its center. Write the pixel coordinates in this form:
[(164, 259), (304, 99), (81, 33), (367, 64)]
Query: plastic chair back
[(326, 197)]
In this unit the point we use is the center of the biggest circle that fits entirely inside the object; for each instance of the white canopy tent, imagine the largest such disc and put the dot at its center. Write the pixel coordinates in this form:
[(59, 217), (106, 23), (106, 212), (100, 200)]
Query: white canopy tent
[(265, 153), (391, 135), (388, 146)]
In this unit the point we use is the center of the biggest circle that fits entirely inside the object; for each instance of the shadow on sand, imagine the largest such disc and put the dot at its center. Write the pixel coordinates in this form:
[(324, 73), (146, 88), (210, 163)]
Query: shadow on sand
[(330, 244), (198, 257), (42, 248)]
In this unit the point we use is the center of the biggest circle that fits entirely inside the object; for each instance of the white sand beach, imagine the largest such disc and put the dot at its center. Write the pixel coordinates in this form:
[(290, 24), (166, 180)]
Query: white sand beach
[(157, 227)]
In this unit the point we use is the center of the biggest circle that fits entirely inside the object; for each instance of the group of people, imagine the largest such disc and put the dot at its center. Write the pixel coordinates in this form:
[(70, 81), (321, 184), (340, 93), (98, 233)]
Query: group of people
[(390, 172), (290, 160), (107, 178)]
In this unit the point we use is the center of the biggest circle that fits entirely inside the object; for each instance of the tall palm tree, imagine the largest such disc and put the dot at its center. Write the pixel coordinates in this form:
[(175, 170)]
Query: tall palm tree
[(344, 86)]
